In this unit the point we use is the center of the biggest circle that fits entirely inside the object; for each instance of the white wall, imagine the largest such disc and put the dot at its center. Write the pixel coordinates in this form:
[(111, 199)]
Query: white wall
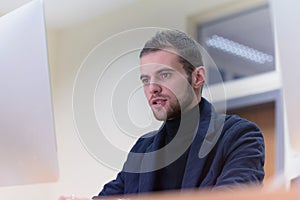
[(287, 31)]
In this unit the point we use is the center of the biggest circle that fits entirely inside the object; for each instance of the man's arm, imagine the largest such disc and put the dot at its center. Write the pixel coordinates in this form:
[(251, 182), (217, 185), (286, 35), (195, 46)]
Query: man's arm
[(115, 187)]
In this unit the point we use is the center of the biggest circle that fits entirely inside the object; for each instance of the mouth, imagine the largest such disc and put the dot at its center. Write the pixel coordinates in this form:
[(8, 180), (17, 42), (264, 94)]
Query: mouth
[(158, 102)]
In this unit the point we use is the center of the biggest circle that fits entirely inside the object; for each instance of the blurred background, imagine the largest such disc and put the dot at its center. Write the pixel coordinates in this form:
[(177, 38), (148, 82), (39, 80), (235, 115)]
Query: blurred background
[(248, 41)]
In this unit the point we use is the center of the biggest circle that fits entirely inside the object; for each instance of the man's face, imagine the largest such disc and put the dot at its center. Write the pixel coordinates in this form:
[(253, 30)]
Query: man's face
[(166, 85)]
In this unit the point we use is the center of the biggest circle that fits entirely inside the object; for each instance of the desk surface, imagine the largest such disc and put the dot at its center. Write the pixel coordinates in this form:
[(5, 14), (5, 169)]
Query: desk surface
[(236, 194)]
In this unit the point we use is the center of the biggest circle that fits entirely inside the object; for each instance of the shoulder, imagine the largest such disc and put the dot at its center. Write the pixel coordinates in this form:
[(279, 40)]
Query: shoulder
[(230, 122), (238, 132), (144, 142), (238, 125)]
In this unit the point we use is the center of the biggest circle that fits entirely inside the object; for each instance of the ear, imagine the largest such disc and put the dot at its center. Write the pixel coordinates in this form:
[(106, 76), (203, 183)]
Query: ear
[(198, 77)]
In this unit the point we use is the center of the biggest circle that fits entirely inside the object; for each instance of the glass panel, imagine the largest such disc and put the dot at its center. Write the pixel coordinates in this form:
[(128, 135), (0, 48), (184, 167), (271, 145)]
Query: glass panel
[(240, 44)]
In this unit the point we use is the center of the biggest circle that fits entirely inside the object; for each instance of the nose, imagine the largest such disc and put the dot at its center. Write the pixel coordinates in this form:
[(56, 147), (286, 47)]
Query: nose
[(154, 88)]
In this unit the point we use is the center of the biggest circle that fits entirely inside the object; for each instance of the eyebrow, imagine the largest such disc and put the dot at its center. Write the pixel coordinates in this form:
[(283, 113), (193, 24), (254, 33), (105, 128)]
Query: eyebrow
[(143, 76), (158, 72), (165, 70)]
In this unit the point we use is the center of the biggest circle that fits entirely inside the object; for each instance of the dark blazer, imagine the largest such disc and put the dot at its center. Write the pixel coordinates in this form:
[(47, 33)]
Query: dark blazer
[(226, 150)]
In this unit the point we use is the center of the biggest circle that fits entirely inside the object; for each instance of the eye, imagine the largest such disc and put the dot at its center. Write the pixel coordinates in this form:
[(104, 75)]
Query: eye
[(145, 81), (165, 75)]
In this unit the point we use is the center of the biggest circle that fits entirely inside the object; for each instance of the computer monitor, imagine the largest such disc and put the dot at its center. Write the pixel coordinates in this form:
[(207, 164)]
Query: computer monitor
[(28, 152)]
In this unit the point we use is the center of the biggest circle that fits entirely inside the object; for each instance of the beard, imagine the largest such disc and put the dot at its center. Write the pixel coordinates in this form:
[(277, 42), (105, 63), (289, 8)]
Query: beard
[(175, 106)]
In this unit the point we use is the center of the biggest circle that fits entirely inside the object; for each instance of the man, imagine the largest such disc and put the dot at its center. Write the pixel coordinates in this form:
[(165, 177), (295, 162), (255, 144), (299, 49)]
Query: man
[(195, 147), (173, 76)]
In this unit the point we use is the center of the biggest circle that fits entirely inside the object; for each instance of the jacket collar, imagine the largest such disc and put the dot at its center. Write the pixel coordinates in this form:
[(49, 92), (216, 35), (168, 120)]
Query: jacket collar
[(203, 141), (209, 131)]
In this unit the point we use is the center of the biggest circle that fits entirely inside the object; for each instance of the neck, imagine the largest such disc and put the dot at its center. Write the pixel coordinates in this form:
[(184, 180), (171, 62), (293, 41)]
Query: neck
[(187, 113), (195, 103)]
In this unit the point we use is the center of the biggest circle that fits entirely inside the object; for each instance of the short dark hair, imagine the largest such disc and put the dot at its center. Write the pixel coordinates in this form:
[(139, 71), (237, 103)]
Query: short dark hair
[(188, 50)]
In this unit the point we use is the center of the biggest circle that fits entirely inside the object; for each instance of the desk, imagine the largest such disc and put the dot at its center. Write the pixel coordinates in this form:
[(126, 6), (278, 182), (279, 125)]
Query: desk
[(236, 194)]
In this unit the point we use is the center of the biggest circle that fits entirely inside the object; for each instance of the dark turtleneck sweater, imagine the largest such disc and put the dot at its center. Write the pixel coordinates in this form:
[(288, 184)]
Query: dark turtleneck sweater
[(183, 129)]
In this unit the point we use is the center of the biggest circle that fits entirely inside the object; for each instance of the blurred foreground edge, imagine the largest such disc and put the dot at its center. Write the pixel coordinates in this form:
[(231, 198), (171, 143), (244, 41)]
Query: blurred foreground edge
[(250, 193)]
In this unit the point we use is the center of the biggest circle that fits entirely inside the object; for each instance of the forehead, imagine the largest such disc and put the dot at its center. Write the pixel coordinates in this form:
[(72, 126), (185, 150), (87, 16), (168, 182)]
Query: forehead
[(157, 60)]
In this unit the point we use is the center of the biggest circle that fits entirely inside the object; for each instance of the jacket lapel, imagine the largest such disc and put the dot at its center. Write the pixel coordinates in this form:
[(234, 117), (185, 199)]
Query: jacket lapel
[(194, 164), (208, 133), (147, 179), (209, 130)]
